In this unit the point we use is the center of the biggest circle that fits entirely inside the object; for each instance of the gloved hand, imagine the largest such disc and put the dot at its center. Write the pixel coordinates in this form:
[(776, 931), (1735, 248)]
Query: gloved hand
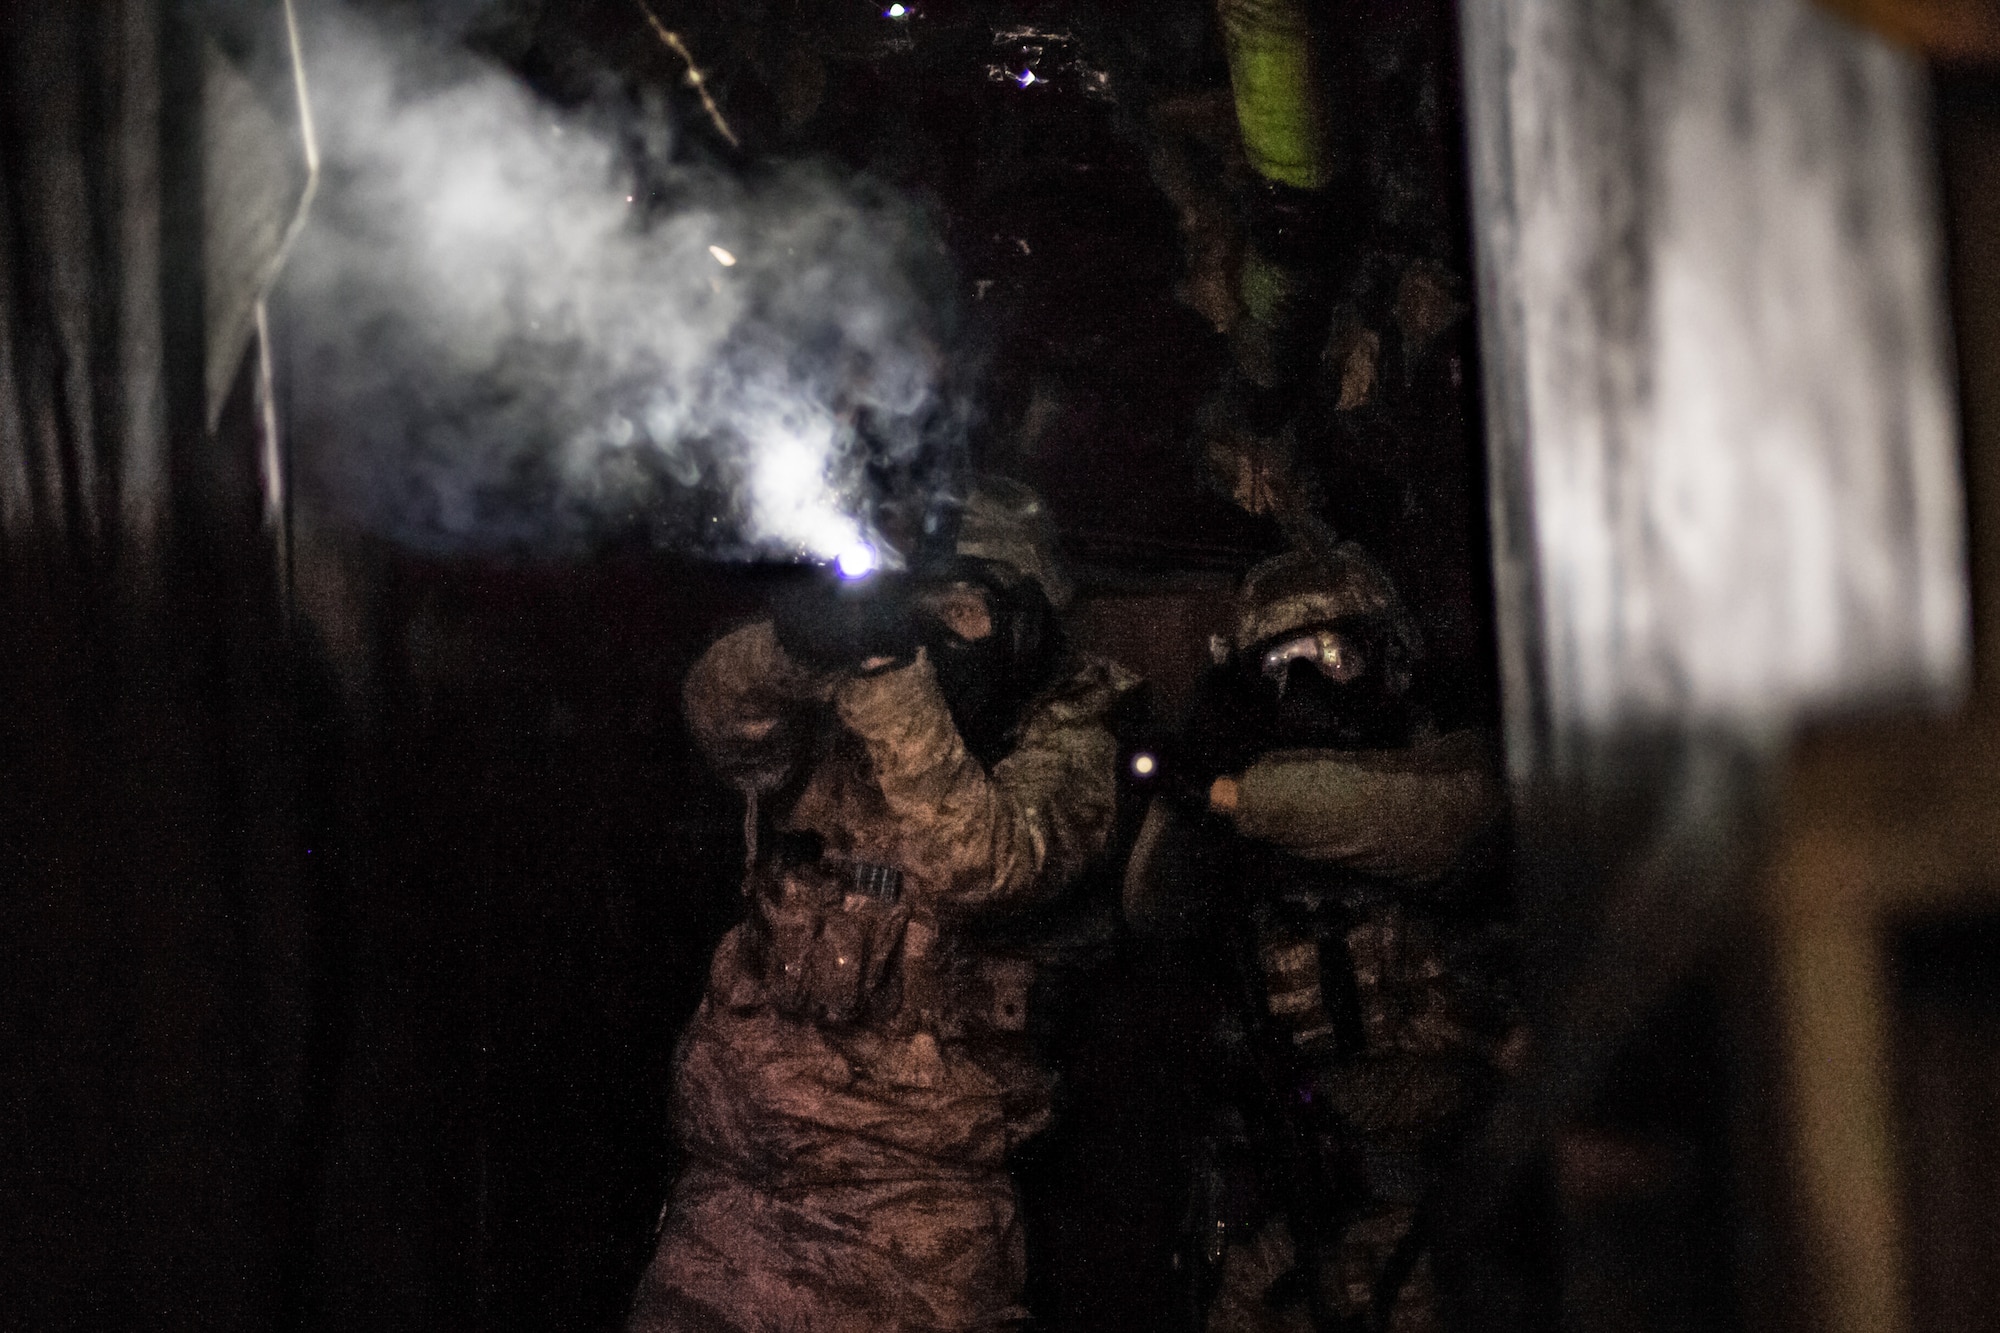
[(829, 625)]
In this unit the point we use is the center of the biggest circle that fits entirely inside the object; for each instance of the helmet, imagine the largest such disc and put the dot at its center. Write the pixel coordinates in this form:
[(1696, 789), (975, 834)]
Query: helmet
[(1303, 588), (1006, 523), (1324, 650), (1288, 604)]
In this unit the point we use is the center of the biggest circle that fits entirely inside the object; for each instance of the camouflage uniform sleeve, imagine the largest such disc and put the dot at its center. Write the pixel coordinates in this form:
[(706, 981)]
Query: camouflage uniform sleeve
[(1021, 832), (749, 707), (1401, 814)]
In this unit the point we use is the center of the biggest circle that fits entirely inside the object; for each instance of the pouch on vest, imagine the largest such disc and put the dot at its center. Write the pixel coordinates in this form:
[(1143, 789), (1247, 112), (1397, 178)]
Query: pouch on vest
[(827, 959)]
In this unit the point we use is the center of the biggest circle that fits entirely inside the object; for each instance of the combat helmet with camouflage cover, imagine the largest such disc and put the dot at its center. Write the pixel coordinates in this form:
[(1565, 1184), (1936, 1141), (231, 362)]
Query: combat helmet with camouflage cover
[(1306, 588)]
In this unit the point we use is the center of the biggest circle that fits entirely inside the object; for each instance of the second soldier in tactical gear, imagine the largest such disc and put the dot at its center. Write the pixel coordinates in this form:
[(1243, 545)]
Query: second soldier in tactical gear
[(1316, 819)]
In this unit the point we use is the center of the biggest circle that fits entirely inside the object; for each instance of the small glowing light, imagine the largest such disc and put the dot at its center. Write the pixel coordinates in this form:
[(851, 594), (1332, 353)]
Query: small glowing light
[(722, 256), (1144, 765), (895, 12), (856, 562), (1025, 77)]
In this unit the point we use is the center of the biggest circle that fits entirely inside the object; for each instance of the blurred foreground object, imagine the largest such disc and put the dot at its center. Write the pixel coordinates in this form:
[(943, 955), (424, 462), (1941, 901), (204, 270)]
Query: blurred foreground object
[(1957, 30), (1726, 503), (1879, 897), (159, 773), (1879, 830), (1718, 375)]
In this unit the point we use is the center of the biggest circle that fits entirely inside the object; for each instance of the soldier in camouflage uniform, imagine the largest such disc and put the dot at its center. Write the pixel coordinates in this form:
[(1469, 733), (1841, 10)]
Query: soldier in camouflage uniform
[(857, 1073), (1324, 825)]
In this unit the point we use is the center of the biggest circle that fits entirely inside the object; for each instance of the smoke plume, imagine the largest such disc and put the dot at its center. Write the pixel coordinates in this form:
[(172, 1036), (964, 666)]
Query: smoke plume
[(522, 328)]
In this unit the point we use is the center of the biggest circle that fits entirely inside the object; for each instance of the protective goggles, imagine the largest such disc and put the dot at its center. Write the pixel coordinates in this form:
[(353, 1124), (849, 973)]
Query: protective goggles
[(1337, 655)]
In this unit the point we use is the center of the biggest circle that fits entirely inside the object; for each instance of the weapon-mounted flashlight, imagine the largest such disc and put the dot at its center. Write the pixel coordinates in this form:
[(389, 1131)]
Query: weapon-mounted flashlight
[(857, 562)]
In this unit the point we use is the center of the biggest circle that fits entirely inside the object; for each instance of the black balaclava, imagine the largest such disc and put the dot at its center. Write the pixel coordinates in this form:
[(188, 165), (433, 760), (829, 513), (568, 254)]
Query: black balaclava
[(986, 682)]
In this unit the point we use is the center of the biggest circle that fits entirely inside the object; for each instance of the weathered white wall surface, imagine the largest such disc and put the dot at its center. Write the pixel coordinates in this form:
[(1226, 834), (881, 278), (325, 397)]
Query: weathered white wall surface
[(1724, 452)]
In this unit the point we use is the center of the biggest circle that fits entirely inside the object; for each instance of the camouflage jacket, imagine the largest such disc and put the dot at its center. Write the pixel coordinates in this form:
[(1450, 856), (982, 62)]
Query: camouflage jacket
[(1365, 866), (1355, 874), (856, 1074)]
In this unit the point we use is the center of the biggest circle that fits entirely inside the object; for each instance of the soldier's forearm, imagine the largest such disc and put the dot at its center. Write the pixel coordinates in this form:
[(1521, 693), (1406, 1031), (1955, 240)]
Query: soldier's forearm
[(742, 698), (1395, 813), (973, 836)]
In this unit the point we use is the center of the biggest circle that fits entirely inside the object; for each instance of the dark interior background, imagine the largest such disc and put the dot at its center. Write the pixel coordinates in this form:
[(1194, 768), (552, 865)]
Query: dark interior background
[(356, 897), (536, 863)]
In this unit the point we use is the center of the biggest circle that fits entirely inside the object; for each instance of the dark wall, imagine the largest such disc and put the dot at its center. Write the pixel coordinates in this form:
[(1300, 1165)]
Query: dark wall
[(536, 866)]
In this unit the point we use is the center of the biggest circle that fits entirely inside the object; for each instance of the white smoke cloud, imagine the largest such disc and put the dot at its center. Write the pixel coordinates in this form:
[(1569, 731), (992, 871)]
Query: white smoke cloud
[(517, 327)]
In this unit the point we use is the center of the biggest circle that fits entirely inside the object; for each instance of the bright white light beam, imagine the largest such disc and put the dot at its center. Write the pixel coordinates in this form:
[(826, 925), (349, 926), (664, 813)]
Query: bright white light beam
[(857, 561)]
